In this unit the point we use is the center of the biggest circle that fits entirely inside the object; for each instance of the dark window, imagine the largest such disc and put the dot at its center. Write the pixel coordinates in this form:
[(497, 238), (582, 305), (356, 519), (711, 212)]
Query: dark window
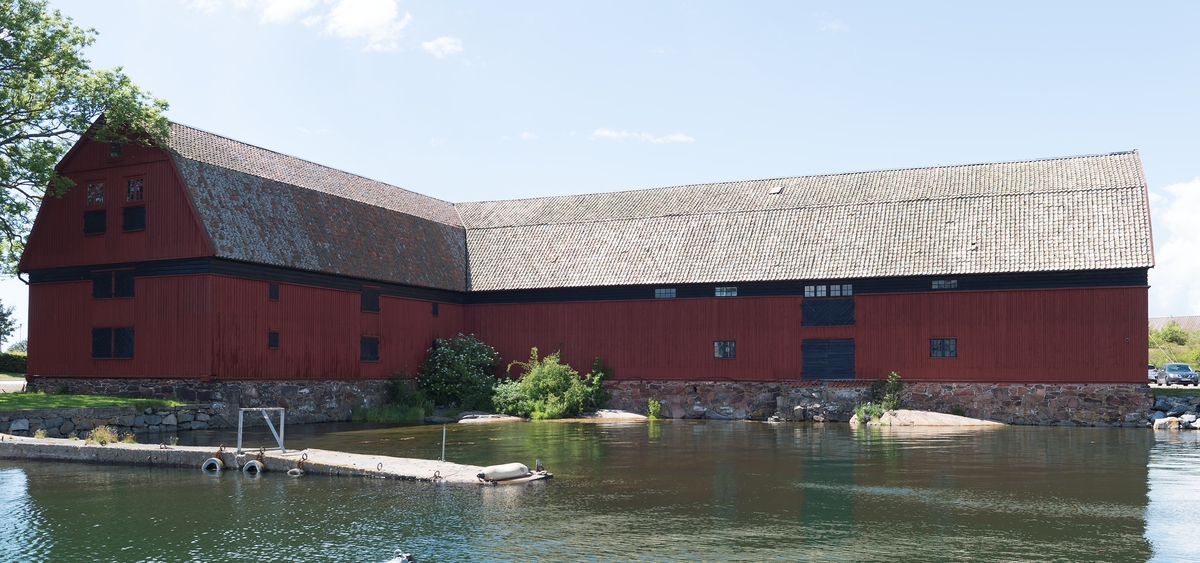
[(435, 309), (102, 342), (273, 292), (726, 292), (273, 340), (133, 190), (114, 149), (123, 342), (123, 283), (369, 349), (945, 284), (827, 359), (943, 347), (133, 218), (847, 290), (370, 300), (102, 285), (664, 293), (95, 194), (827, 312), (724, 349), (94, 221)]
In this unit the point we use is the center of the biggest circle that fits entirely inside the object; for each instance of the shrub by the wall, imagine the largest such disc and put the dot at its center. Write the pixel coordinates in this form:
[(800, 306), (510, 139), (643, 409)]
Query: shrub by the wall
[(550, 389), (458, 373)]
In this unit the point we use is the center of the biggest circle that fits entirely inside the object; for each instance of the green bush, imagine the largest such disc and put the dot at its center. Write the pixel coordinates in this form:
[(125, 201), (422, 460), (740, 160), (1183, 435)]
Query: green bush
[(597, 397), (549, 388), (868, 411), (458, 373), (21, 346), (653, 409), (887, 391), (12, 363)]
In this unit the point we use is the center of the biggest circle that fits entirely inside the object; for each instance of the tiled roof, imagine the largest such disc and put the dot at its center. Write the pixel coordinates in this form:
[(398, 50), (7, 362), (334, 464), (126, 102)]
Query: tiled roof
[(209, 148), (1185, 323), (1076, 213), (267, 208)]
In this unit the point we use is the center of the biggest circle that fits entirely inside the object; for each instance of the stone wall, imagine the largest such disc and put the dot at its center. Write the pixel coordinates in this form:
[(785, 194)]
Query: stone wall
[(64, 423), (1096, 404), (305, 401)]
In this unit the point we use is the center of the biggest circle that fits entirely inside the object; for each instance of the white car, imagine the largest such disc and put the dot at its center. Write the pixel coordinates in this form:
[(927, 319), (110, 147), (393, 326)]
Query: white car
[(1153, 373)]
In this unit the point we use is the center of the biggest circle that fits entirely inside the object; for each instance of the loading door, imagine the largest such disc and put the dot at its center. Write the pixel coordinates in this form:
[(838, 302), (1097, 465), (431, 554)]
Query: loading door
[(827, 359)]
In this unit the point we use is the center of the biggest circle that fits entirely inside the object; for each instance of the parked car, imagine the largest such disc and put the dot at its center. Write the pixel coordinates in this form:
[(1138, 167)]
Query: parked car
[(1153, 373), (1181, 374)]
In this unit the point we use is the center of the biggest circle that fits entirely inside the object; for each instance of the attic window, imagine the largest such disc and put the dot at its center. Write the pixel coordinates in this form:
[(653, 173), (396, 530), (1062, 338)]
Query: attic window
[(728, 291), (435, 309), (945, 284), (664, 293), (775, 190), (134, 190), (370, 300), (273, 292), (114, 149), (95, 194)]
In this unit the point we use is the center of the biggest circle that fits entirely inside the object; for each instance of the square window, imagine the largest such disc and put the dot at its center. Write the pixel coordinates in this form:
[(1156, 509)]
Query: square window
[(102, 342), (724, 349), (133, 218), (114, 149), (134, 190), (123, 283), (847, 290), (835, 290), (370, 300), (369, 349), (273, 292), (810, 291), (435, 309), (943, 347), (821, 291), (95, 194), (664, 293), (726, 292), (123, 342), (94, 222), (273, 340)]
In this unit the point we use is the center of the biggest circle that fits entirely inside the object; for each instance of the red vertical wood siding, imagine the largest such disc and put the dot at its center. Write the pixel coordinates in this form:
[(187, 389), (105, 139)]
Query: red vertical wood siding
[(169, 315), (319, 331), (1003, 336), (172, 228), (1059, 335)]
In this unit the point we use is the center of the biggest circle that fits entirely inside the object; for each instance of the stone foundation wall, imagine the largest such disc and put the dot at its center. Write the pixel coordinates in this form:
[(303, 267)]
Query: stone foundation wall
[(305, 401), (1096, 404), (64, 423)]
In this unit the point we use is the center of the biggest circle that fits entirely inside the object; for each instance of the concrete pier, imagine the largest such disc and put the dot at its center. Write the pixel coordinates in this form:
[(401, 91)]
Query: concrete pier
[(312, 461)]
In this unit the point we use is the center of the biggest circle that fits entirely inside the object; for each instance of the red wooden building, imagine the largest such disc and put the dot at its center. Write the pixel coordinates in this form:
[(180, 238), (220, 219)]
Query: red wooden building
[(216, 260)]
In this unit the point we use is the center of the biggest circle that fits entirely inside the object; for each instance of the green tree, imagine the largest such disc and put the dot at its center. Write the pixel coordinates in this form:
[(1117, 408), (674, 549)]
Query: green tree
[(458, 373), (1172, 333), (49, 98)]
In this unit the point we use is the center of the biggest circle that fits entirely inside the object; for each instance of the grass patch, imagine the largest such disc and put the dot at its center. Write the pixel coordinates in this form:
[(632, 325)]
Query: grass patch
[(39, 400), (395, 414), (1181, 392), (4, 375)]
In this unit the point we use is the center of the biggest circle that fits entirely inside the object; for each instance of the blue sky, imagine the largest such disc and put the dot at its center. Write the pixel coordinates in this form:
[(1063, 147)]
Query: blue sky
[(468, 101)]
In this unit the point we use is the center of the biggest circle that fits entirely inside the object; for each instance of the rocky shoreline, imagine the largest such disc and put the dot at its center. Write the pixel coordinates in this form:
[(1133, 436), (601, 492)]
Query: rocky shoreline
[(1176, 413)]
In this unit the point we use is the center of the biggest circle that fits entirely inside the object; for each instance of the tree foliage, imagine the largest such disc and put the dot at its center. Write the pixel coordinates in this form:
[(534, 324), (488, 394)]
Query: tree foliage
[(49, 98), (458, 373)]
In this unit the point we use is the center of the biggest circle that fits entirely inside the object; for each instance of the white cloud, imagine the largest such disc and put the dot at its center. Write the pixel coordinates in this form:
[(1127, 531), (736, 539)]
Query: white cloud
[(528, 136), (283, 11), (437, 142), (612, 135), (376, 21), (1175, 278), (443, 46), (834, 26)]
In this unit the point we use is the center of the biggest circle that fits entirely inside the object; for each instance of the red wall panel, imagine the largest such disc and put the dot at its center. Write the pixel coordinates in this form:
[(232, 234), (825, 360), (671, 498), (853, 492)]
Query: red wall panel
[(1058, 335), (169, 316), (319, 331), (172, 228)]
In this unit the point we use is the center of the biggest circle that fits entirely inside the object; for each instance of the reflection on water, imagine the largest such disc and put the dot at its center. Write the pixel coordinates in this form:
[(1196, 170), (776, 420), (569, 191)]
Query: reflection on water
[(663, 491)]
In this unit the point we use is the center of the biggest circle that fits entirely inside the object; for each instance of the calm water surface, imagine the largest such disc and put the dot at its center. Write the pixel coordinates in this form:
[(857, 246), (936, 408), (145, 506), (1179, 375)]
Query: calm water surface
[(663, 491)]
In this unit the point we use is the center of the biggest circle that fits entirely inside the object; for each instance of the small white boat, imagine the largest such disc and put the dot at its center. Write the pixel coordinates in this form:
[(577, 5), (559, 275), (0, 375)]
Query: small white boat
[(512, 473)]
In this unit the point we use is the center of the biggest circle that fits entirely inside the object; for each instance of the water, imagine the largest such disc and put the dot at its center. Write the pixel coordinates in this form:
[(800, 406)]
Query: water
[(664, 491)]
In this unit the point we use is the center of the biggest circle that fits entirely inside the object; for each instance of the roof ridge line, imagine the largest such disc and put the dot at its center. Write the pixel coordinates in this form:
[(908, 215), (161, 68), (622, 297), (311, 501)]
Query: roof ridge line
[(824, 175), (794, 207)]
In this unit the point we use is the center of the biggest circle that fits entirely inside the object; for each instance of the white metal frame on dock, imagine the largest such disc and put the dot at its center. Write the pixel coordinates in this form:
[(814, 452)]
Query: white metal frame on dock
[(264, 410)]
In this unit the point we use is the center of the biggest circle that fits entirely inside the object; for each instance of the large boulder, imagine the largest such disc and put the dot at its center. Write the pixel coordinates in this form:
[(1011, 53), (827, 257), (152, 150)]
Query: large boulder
[(1178, 409), (1169, 423)]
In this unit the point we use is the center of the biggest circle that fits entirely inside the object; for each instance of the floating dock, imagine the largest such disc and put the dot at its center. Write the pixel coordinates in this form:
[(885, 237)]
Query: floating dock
[(311, 461)]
